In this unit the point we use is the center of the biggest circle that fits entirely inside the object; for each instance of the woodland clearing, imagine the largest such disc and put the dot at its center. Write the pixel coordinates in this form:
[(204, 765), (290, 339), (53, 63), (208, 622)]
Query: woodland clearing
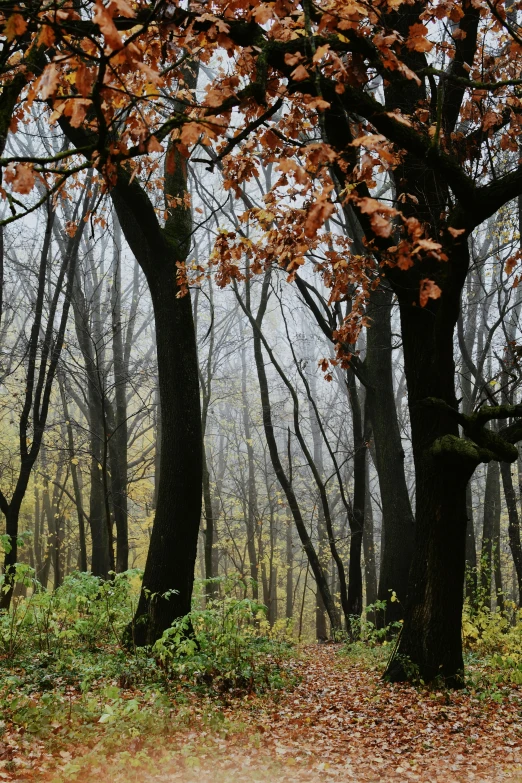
[(340, 722)]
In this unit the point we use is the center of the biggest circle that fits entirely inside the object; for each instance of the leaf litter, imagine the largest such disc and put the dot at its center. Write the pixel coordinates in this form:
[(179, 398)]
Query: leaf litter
[(340, 722)]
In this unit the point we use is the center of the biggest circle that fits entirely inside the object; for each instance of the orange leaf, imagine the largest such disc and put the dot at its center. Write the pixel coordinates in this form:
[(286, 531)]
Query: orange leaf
[(317, 214), (293, 59), (103, 19), (20, 177), (15, 25), (299, 74), (154, 145), (490, 119), (46, 36), (320, 53), (428, 290), (263, 13), (123, 8), (84, 79), (456, 232), (48, 83), (191, 132)]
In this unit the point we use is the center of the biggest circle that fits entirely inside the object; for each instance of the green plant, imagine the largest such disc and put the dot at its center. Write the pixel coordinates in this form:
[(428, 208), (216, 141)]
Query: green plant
[(228, 646)]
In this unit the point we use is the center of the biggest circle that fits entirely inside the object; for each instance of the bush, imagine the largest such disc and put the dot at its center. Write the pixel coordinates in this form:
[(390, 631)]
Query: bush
[(495, 639), (83, 613), (228, 646)]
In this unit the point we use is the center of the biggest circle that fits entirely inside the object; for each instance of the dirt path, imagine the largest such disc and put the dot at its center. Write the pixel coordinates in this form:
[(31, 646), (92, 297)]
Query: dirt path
[(340, 723)]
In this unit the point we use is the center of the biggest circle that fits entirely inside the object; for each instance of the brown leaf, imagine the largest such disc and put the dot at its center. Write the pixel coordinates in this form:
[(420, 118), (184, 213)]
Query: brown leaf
[(456, 232), (122, 8), (21, 177), (103, 19), (154, 145), (317, 215), (15, 26), (48, 82), (299, 74), (428, 290)]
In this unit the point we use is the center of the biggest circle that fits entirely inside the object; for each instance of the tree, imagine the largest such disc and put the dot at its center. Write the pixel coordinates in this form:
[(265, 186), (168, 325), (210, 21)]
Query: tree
[(44, 346), (393, 96)]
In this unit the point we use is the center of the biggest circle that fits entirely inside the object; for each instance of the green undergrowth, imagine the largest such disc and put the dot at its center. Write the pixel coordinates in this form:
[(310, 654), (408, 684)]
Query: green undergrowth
[(492, 645), (493, 649), (67, 678)]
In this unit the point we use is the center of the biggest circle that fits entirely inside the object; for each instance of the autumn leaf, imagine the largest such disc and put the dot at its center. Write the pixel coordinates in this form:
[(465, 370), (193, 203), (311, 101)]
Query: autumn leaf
[(456, 232), (369, 140), (396, 115), (319, 103), (84, 79), (122, 8), (512, 262), (417, 39), (46, 36), (317, 215), (293, 59), (263, 13), (218, 95), (320, 53), (489, 120), (79, 112), (154, 145), (48, 82), (104, 20), (428, 290), (21, 177), (191, 132), (71, 228), (15, 26), (299, 74), (427, 244), (381, 226)]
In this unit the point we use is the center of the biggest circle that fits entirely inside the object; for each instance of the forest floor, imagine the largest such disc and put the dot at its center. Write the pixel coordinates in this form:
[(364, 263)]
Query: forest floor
[(340, 722)]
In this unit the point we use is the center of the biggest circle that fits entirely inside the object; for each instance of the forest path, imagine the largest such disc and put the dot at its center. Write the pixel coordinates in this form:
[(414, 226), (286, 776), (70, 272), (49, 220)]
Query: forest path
[(343, 723)]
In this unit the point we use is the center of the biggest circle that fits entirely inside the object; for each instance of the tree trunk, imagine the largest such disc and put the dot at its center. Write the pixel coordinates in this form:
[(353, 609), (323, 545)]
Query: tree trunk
[(251, 510), (491, 502), (359, 492), (369, 546), (397, 517), (289, 570), (173, 545), (430, 644), (514, 523), (286, 484), (471, 550), (119, 434)]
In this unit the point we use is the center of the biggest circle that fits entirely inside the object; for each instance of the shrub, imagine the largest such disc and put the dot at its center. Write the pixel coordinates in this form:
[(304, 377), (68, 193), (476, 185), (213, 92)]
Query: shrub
[(228, 646)]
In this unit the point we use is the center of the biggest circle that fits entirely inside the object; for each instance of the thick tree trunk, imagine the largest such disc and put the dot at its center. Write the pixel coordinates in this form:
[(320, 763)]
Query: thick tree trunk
[(173, 545), (397, 516), (430, 644), (169, 570)]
